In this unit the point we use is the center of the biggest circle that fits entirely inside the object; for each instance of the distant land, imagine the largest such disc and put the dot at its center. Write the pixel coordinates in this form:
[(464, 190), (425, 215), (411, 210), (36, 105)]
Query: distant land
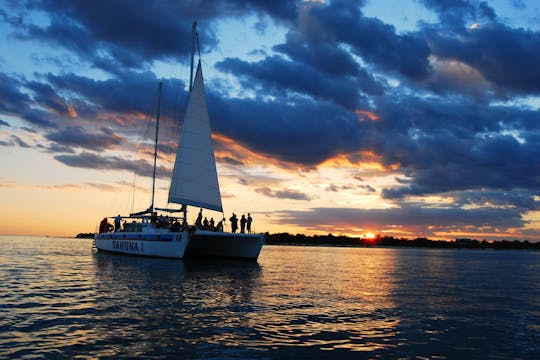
[(384, 241), (85, 236)]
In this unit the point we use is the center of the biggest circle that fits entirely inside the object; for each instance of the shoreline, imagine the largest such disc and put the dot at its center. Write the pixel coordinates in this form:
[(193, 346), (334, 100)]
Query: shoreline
[(384, 241)]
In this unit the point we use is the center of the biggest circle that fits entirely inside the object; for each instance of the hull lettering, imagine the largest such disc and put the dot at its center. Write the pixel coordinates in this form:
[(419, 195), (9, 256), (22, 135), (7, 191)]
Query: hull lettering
[(126, 245)]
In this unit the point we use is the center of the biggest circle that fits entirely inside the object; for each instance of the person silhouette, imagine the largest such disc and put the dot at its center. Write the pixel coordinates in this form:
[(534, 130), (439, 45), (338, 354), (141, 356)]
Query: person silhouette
[(248, 223), (198, 222), (234, 223), (117, 221), (243, 224)]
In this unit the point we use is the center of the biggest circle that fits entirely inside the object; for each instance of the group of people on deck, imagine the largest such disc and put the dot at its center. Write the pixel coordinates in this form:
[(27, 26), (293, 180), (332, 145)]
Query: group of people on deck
[(172, 223), (245, 223), (208, 224)]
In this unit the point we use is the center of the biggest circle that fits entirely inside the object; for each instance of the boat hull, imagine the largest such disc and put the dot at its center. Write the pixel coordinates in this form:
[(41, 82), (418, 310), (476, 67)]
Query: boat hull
[(211, 243), (167, 245), (179, 245)]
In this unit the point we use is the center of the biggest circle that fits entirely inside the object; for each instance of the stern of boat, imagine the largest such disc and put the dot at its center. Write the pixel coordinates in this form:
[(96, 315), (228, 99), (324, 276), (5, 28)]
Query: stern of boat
[(212, 243)]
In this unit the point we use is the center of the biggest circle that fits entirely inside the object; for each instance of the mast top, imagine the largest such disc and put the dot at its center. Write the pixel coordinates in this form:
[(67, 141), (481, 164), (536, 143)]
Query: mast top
[(195, 38)]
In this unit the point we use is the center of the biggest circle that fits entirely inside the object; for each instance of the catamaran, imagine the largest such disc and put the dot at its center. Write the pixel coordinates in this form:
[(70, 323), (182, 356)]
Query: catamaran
[(194, 183)]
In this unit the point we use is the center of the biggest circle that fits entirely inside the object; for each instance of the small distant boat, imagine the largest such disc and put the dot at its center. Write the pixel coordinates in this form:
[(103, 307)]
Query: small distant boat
[(194, 183)]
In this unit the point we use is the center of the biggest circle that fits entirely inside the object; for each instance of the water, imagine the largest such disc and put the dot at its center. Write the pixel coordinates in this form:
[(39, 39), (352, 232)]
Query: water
[(60, 300)]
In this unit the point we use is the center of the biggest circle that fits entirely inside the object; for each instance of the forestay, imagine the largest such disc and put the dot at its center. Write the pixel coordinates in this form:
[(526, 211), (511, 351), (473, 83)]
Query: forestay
[(195, 180)]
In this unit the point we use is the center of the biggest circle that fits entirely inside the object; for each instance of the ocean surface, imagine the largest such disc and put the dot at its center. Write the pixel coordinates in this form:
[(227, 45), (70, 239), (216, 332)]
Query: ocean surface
[(59, 299)]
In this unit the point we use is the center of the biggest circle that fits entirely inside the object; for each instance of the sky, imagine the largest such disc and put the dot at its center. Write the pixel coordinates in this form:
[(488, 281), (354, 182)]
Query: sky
[(413, 118)]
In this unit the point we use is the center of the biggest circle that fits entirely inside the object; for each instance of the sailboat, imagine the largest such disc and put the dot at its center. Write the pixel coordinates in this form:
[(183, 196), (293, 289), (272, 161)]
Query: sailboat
[(194, 183)]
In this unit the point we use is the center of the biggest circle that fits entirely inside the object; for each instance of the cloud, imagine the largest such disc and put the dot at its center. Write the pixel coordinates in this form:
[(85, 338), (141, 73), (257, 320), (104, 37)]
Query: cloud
[(448, 145), (378, 43), (82, 186), (369, 188), (93, 161), (510, 70), (276, 76), (78, 137), (46, 97), (120, 35), (14, 140), (421, 220), (11, 98), (116, 35), (283, 194), (519, 199), (304, 132)]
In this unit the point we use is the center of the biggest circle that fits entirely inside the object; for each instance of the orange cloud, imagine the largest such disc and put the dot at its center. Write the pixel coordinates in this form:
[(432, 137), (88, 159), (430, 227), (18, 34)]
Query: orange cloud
[(71, 111), (363, 114), (363, 159), (229, 151)]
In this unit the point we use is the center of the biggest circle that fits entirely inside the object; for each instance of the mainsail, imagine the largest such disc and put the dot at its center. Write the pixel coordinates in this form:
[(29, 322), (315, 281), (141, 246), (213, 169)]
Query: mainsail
[(195, 180)]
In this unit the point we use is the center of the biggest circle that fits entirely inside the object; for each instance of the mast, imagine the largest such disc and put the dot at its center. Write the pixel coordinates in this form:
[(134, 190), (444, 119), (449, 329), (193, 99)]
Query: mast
[(155, 146), (194, 34), (195, 38)]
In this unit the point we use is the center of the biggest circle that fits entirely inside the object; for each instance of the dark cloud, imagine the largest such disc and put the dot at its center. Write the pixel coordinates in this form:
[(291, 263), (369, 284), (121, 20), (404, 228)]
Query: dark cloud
[(322, 56), (230, 161), (4, 123), (39, 117), (276, 76), (503, 55), (12, 100), (283, 194), (14, 140), (47, 97), (306, 133), (369, 188), (519, 199), (455, 145), (78, 137), (118, 33), (371, 39), (129, 92), (113, 34), (424, 220), (55, 148), (338, 188), (94, 161)]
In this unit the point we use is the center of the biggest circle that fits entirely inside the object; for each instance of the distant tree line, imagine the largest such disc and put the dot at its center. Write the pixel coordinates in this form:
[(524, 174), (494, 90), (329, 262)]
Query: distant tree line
[(85, 236), (341, 240)]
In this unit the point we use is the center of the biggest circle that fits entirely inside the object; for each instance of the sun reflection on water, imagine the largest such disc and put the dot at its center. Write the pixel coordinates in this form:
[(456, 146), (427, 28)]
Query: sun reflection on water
[(329, 302)]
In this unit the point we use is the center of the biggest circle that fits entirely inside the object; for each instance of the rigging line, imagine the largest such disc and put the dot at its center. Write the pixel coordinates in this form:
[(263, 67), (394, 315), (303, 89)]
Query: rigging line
[(133, 192), (141, 145), (173, 126)]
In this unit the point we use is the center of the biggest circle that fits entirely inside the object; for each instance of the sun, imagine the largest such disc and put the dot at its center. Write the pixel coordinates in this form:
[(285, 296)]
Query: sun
[(369, 235)]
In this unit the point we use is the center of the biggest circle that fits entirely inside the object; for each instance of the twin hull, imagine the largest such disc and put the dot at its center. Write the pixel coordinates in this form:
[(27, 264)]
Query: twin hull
[(177, 245)]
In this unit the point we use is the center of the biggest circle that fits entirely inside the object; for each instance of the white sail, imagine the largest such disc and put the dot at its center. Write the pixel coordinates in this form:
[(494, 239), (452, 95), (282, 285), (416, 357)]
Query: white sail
[(195, 180)]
